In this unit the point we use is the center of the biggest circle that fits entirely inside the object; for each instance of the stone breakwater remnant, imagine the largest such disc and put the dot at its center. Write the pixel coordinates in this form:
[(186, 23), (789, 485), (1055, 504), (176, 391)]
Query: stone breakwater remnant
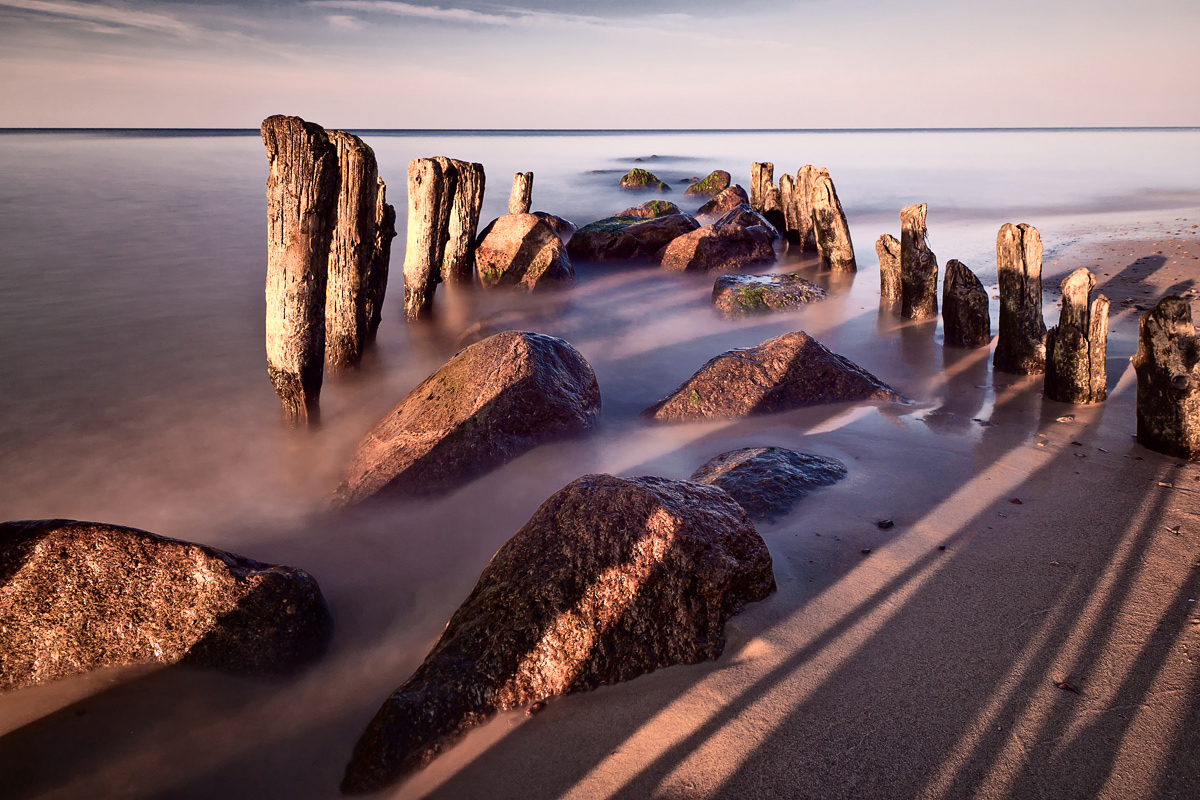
[(829, 223), (918, 266), (492, 402), (640, 180), (966, 316), (611, 578), (637, 233), (1167, 363), (521, 198), (769, 481), (1077, 346), (790, 371), (887, 247), (1021, 346), (78, 596), (737, 296), (522, 250), (710, 185)]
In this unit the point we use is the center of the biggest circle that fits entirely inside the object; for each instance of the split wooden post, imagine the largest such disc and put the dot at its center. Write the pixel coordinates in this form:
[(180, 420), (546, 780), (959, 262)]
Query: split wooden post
[(918, 266), (1021, 347)]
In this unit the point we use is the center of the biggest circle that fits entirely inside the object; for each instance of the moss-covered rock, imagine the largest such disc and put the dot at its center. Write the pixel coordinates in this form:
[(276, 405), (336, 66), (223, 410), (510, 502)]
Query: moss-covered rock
[(723, 203), (711, 185), (742, 295), (651, 209), (640, 180)]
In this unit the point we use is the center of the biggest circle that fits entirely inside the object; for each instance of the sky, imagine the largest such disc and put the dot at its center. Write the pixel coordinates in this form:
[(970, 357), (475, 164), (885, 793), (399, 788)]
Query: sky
[(621, 64)]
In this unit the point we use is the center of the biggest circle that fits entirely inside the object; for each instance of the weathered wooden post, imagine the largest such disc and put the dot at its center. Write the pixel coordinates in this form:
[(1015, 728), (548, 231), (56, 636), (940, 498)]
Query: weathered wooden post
[(377, 274), (302, 190), (966, 318), (762, 175), (423, 253), (829, 222), (521, 199), (1167, 363), (351, 252), (918, 266), (887, 247), (787, 198), (458, 263), (805, 234), (1021, 347), (1077, 346)]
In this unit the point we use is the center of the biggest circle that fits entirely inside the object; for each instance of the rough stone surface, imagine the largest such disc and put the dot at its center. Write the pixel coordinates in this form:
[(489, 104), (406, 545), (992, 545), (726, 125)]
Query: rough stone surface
[(427, 188), (563, 227), (790, 371), (462, 227), (711, 185), (966, 318), (493, 401), (720, 248), (829, 223), (1077, 347), (628, 238), (1167, 363), (747, 217), (611, 578), (78, 596), (887, 247), (377, 275), (742, 295), (1021, 347), (302, 190), (918, 266), (724, 202), (769, 481), (521, 197), (522, 250), (640, 180), (651, 209)]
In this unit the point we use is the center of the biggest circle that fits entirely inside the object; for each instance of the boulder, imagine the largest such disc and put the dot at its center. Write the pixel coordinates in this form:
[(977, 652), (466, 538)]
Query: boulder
[(1076, 348), (651, 209), (742, 295), (640, 180), (564, 228), (966, 317), (790, 371), (611, 578), (724, 202), (521, 250), (78, 596), (769, 481), (628, 238), (747, 217), (1021, 344), (888, 250), (493, 401), (720, 248), (1167, 363), (711, 185)]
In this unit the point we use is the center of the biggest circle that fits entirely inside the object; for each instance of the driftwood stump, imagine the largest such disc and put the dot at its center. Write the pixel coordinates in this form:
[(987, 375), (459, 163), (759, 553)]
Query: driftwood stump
[(1077, 346), (423, 253), (829, 222), (918, 266), (302, 190), (351, 252), (1167, 363), (521, 198), (1021, 348), (887, 247), (966, 318), (458, 263), (765, 196), (804, 235), (381, 254)]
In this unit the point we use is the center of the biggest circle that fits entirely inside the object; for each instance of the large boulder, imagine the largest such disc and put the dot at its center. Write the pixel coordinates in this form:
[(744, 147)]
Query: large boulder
[(610, 579), (742, 295), (626, 238), (493, 401), (78, 596), (522, 250), (640, 180), (722, 204), (720, 248), (769, 481), (711, 185), (789, 371)]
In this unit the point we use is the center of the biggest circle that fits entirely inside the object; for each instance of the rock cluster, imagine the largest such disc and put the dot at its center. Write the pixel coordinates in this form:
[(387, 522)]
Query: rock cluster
[(728, 244)]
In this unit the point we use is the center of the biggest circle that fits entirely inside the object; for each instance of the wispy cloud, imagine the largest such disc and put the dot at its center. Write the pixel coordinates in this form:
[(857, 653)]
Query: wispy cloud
[(103, 18), (508, 18), (345, 21)]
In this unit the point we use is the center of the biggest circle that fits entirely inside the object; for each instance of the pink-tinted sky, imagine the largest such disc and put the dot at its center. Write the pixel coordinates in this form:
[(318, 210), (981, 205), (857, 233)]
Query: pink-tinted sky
[(623, 64)]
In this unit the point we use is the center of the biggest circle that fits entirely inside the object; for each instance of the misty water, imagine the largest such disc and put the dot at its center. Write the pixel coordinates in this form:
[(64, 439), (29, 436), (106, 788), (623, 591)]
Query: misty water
[(133, 390)]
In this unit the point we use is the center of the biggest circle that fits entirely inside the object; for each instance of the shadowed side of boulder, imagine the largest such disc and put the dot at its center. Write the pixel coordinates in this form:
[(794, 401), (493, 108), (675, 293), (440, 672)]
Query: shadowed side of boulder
[(769, 481)]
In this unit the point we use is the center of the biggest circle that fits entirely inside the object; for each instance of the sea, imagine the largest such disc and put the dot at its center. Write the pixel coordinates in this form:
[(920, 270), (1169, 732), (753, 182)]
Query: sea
[(134, 389)]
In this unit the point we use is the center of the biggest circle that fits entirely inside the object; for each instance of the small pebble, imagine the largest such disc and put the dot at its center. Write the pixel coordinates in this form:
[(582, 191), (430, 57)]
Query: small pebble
[(885, 524), (941, 547), (866, 551)]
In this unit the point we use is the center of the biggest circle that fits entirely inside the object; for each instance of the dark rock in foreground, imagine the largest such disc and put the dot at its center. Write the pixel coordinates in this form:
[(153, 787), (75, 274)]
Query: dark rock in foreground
[(521, 250), (628, 238), (769, 481), (1167, 363), (640, 180), (493, 401), (711, 185), (78, 596), (610, 579), (790, 371), (723, 203), (720, 248), (741, 295)]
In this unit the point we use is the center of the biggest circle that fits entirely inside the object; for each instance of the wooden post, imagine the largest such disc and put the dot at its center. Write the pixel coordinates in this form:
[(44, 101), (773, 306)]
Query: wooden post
[(1167, 363), (829, 222), (377, 274), (888, 250), (1077, 346), (918, 266), (521, 198), (1021, 348), (806, 234), (458, 264), (762, 176), (966, 317), (422, 256), (351, 251)]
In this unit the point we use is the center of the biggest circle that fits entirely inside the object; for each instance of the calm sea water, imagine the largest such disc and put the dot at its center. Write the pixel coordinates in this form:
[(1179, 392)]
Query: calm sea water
[(133, 387)]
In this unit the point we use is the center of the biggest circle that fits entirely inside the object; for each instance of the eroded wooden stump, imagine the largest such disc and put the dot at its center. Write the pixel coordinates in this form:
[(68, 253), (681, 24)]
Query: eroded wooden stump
[(887, 247), (423, 252), (1021, 348), (1167, 363), (1077, 346), (521, 198), (966, 318), (918, 266), (829, 222)]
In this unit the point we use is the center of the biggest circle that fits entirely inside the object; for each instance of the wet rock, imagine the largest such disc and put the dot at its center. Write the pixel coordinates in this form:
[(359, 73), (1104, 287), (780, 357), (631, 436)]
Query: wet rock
[(611, 578), (78, 596), (522, 250), (720, 248), (769, 481), (640, 180), (711, 185), (888, 250), (489, 404), (966, 317), (521, 196), (564, 228), (628, 238), (790, 371), (1167, 363), (742, 295), (1021, 346), (918, 266), (724, 202), (1076, 348), (651, 209), (747, 217), (829, 223)]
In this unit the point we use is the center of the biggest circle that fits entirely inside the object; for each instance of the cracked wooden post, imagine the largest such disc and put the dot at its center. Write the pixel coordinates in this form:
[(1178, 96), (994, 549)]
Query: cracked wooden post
[(351, 252), (1077, 346), (805, 234), (377, 274), (887, 247), (302, 190), (1167, 363), (458, 263), (762, 175), (966, 317), (918, 266), (521, 198), (1021, 348), (787, 198), (829, 221), (422, 255)]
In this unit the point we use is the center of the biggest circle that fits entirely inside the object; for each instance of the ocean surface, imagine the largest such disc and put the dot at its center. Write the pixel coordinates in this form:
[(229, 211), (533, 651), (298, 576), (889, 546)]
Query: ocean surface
[(134, 391)]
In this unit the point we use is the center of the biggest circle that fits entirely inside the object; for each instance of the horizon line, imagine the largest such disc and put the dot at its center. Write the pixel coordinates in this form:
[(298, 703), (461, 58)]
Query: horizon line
[(587, 131)]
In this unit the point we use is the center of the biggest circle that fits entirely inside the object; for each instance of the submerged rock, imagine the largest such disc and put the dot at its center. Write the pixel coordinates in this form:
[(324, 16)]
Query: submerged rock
[(723, 203), (628, 238), (790, 371), (493, 401), (720, 248), (711, 185), (78, 596), (522, 250), (1167, 363), (769, 481), (741, 295), (611, 578), (640, 180)]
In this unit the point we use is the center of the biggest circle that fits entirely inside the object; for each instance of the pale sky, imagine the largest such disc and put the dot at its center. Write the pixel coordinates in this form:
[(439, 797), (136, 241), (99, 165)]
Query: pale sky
[(625, 64)]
